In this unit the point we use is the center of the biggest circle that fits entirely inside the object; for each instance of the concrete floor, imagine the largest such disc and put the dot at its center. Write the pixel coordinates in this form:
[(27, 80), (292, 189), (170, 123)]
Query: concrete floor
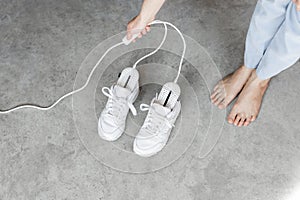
[(42, 45)]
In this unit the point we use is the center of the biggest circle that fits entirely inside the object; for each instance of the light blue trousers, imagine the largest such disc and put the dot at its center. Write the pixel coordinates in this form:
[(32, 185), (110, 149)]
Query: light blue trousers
[(273, 39)]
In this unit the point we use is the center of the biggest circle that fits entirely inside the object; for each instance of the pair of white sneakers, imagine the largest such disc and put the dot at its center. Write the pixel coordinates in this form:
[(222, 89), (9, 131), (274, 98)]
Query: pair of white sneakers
[(162, 113)]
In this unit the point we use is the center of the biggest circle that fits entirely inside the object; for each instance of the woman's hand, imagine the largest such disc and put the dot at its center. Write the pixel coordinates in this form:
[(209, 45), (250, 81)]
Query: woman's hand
[(297, 2), (138, 25)]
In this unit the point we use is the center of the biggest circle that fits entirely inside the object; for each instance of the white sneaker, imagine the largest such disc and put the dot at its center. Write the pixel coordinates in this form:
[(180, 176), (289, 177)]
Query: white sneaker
[(121, 97), (162, 114)]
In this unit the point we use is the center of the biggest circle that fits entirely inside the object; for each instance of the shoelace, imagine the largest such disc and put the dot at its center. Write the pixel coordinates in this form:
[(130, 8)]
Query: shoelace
[(116, 104), (154, 121)]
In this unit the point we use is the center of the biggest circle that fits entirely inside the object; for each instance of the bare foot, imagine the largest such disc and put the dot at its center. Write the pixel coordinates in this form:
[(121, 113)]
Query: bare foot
[(228, 88), (246, 108)]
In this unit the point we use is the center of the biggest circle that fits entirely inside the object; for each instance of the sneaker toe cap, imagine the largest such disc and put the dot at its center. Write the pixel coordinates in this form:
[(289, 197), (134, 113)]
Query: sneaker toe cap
[(147, 146), (109, 131)]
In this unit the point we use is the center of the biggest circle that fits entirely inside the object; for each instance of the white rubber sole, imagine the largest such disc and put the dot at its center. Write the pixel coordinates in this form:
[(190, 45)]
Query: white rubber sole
[(137, 151)]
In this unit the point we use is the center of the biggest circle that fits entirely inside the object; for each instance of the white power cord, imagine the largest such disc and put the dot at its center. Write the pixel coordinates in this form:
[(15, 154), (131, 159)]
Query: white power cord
[(153, 52), (183, 41), (66, 95), (125, 42)]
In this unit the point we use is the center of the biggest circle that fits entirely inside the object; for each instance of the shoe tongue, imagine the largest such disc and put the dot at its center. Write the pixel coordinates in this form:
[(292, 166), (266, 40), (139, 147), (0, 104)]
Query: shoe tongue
[(161, 109), (121, 91)]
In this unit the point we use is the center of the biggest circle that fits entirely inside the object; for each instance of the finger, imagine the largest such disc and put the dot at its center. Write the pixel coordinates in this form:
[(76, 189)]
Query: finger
[(129, 35), (144, 32), (140, 35), (129, 26), (129, 29), (147, 28)]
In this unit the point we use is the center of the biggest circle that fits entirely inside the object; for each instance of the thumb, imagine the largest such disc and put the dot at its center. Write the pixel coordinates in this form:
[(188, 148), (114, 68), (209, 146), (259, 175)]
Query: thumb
[(129, 35), (129, 28)]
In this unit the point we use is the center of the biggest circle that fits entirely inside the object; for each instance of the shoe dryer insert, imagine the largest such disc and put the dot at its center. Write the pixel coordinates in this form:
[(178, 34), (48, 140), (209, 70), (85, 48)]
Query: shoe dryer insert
[(169, 94), (124, 41)]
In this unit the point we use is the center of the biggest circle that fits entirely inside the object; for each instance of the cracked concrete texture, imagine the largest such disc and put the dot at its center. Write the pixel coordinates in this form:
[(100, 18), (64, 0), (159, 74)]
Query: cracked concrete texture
[(42, 44)]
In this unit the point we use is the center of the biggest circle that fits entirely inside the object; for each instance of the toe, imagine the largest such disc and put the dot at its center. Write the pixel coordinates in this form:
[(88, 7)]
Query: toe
[(216, 98), (213, 101), (217, 86), (248, 121), (224, 103), (241, 122), (213, 94), (231, 116), (216, 92), (237, 119), (219, 100), (253, 118), (230, 119)]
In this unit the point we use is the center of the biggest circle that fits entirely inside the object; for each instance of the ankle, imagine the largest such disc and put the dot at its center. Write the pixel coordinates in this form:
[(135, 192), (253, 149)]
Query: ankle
[(244, 71), (259, 81), (245, 68)]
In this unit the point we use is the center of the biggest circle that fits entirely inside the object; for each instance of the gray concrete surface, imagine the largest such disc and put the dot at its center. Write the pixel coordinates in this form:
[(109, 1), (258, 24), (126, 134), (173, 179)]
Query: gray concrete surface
[(42, 44)]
